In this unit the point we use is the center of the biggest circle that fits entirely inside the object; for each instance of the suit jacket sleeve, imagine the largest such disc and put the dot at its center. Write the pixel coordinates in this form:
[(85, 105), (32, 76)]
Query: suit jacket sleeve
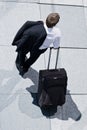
[(26, 25), (19, 33), (20, 43)]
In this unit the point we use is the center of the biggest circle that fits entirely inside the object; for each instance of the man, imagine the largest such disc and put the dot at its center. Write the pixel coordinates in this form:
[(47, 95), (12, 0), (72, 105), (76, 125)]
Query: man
[(35, 37)]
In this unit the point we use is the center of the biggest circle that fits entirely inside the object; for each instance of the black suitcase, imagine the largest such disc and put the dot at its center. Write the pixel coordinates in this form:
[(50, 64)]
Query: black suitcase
[(52, 85)]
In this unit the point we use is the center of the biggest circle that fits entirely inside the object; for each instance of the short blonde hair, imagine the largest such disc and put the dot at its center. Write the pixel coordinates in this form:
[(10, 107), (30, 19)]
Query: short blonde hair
[(52, 19)]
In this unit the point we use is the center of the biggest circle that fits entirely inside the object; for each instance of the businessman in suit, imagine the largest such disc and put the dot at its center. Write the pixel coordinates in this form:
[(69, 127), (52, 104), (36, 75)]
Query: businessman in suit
[(35, 37)]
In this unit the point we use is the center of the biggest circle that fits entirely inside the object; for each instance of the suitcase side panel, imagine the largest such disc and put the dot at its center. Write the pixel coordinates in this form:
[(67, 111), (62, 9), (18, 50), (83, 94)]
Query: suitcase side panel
[(43, 74)]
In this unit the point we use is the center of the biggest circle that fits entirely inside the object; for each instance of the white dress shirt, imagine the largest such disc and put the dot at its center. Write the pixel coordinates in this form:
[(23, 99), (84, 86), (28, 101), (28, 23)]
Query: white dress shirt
[(52, 38)]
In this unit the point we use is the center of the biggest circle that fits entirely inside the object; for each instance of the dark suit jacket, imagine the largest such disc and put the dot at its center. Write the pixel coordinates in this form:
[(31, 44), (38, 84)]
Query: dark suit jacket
[(30, 36)]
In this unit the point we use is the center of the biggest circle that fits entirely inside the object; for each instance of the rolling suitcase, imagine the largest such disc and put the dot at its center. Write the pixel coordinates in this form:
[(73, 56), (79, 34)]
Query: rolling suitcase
[(52, 85)]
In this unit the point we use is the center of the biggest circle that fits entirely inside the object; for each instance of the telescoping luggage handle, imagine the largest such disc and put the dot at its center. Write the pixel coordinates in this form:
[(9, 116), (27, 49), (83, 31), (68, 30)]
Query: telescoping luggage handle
[(50, 57)]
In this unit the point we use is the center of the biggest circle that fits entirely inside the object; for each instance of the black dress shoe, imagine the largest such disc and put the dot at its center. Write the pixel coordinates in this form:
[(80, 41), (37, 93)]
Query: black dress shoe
[(23, 71), (18, 67)]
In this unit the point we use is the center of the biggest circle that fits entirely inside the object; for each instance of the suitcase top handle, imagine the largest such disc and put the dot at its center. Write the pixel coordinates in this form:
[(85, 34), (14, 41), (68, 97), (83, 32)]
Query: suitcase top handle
[(50, 57)]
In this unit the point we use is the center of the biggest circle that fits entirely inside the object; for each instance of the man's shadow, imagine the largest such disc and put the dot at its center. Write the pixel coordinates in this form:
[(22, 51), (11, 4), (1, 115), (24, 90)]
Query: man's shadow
[(68, 110), (8, 79)]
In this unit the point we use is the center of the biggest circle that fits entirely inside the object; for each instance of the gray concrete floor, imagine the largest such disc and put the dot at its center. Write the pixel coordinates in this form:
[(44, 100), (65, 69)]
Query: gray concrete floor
[(17, 94)]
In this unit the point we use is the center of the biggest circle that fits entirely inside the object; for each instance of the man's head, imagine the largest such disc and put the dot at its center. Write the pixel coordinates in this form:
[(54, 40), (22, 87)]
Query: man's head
[(52, 19)]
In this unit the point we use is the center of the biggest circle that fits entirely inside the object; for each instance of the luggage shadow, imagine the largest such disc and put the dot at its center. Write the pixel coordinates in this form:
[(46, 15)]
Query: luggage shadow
[(68, 110), (33, 75), (46, 111)]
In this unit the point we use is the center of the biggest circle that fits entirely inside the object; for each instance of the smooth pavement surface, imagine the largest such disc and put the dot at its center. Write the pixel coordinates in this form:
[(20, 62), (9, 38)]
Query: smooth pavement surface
[(18, 104)]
